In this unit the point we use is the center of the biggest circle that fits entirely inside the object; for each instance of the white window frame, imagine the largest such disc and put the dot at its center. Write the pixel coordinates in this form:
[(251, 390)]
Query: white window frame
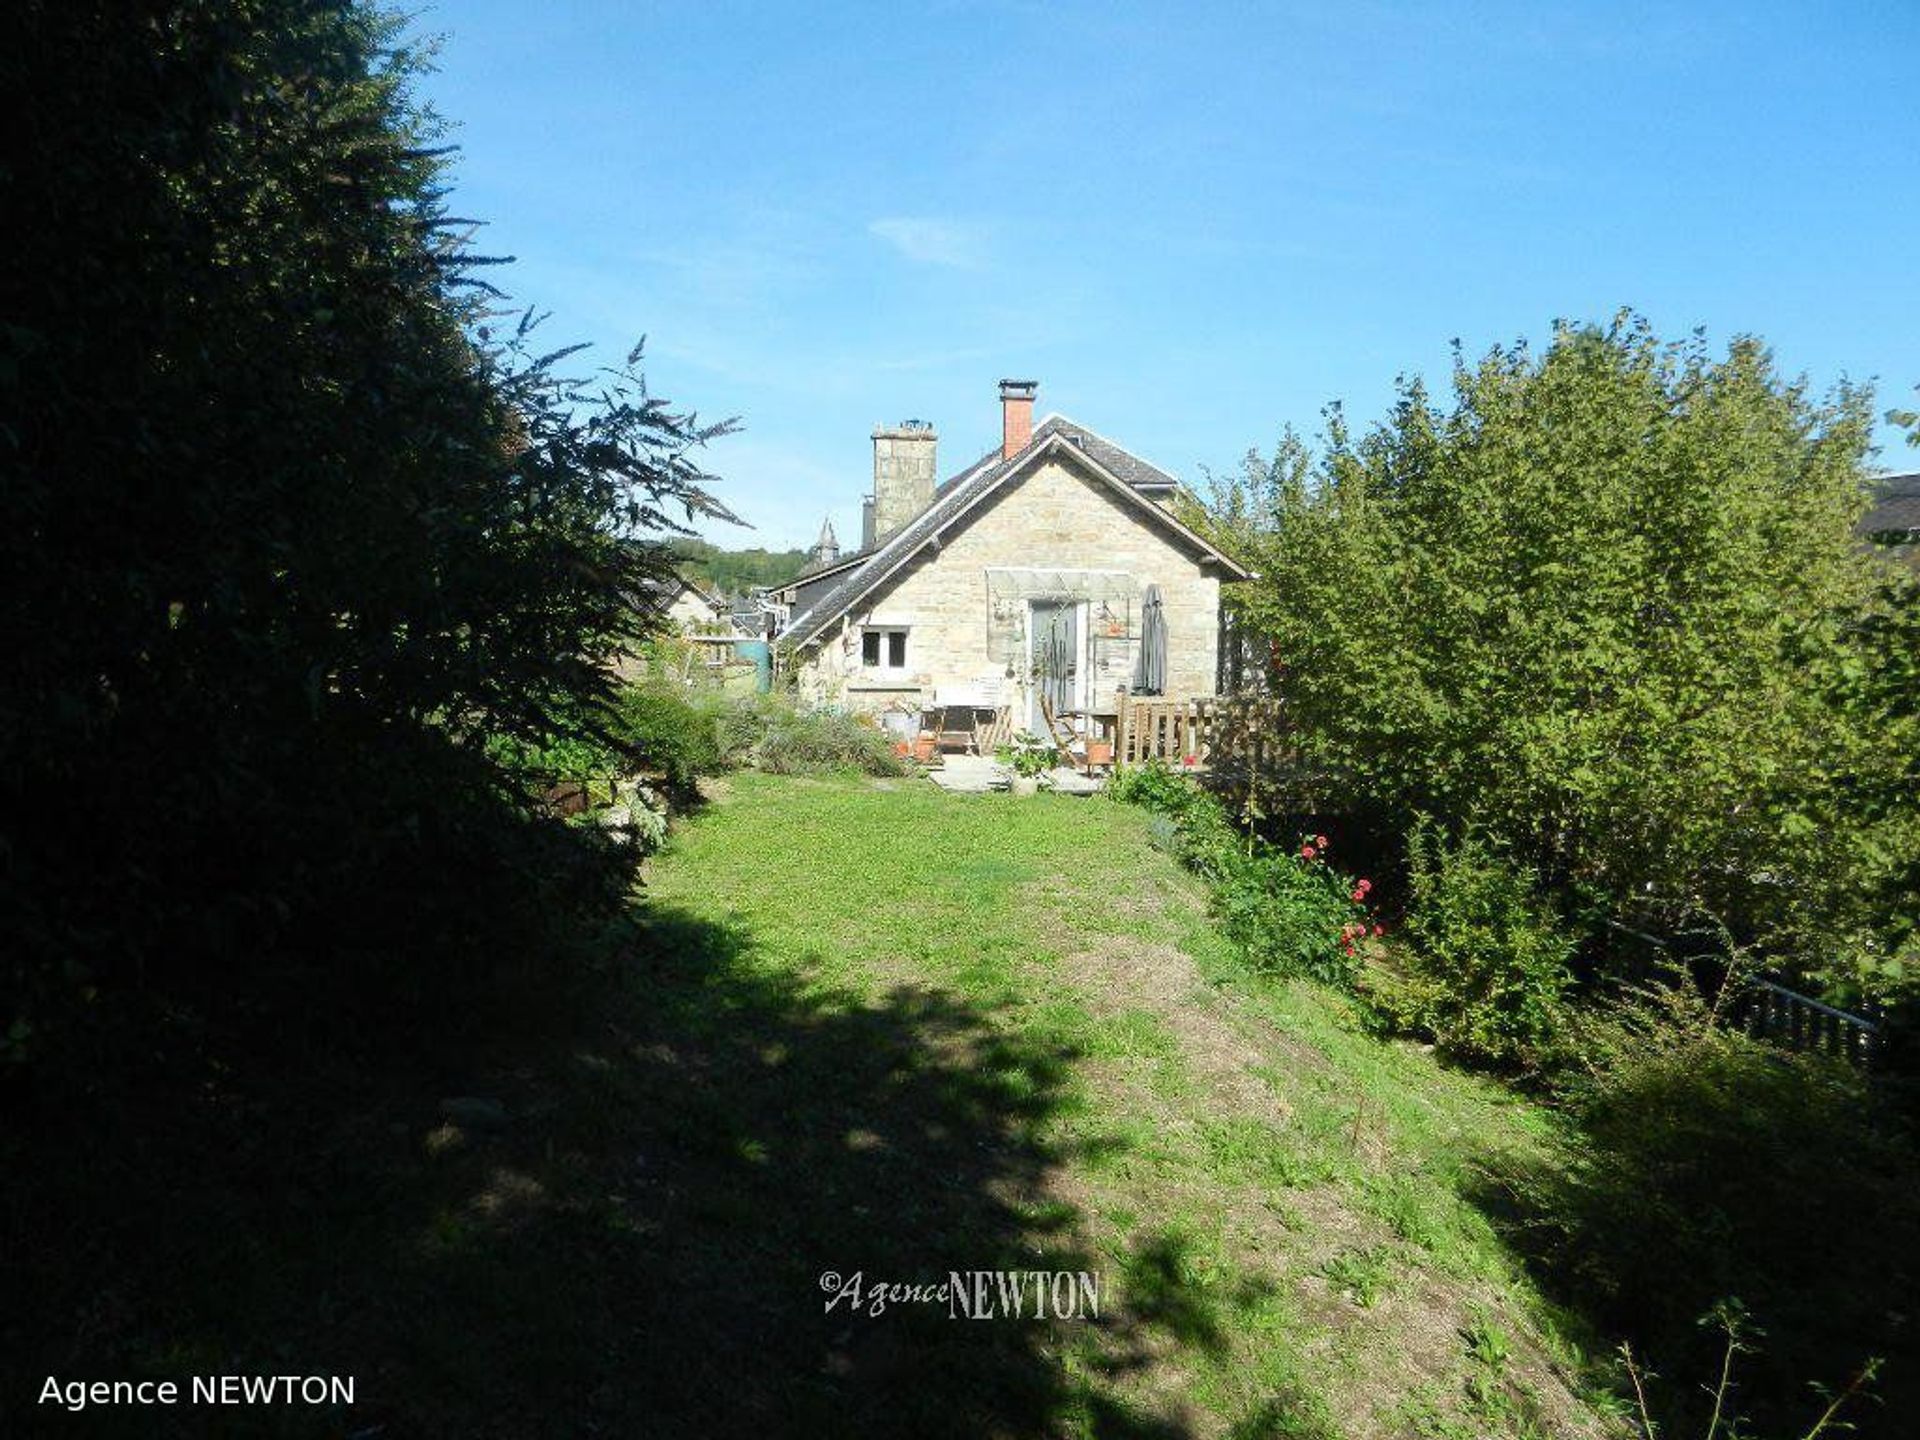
[(885, 633)]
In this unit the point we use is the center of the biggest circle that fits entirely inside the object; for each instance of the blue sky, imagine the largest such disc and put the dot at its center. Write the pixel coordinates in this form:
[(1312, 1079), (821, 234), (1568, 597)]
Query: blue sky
[(1192, 224)]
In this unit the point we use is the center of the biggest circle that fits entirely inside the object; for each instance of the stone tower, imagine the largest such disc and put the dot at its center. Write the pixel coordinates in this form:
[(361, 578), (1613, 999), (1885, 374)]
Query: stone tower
[(826, 549), (903, 476)]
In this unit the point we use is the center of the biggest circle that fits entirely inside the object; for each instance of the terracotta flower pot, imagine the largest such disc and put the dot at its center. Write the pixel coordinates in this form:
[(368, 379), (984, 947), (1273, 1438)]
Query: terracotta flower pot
[(924, 747)]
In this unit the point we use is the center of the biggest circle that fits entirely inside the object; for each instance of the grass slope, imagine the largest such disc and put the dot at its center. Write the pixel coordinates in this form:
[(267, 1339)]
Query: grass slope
[(1273, 1198), (861, 1027)]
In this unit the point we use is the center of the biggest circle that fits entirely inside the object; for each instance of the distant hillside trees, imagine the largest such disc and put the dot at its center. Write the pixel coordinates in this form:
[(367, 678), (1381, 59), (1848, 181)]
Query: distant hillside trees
[(733, 572), (285, 529)]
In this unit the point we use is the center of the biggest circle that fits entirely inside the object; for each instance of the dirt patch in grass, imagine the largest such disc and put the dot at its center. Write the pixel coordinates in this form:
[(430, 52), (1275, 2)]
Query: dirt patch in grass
[(1386, 1333), (1132, 974)]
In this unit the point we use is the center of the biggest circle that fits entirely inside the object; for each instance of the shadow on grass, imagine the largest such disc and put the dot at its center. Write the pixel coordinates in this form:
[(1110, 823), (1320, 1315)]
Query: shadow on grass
[(1728, 1171), (625, 1237)]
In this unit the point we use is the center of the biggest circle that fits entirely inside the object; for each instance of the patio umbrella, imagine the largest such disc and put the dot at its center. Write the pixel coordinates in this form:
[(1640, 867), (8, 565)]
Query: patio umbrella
[(1150, 671)]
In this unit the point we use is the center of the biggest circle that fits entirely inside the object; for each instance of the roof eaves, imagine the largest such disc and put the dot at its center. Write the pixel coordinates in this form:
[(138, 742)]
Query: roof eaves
[(955, 505), (895, 552)]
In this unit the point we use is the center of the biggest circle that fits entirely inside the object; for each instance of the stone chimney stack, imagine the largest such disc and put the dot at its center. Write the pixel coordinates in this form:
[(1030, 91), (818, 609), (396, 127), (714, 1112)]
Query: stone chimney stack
[(903, 464), (826, 549), (1016, 416)]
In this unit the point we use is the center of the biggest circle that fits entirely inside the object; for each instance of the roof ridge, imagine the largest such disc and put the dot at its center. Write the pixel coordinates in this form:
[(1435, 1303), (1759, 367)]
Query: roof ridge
[(975, 483), (1133, 455)]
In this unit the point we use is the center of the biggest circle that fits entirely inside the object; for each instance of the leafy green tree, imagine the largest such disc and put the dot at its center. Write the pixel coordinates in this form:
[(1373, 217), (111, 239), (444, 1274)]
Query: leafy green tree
[(732, 572), (286, 529), (1607, 610)]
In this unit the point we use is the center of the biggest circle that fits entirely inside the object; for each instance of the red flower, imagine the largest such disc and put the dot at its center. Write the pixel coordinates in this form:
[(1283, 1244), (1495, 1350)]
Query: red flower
[(1321, 841), (1359, 897), (1307, 852), (1379, 929), (1364, 886)]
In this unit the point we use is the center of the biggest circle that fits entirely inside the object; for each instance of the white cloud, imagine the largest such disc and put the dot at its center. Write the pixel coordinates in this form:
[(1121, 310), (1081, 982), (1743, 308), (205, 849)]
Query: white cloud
[(930, 241)]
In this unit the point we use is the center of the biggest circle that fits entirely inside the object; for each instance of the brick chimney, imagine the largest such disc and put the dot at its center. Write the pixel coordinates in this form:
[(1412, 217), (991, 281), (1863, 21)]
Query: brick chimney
[(1016, 416), (903, 465)]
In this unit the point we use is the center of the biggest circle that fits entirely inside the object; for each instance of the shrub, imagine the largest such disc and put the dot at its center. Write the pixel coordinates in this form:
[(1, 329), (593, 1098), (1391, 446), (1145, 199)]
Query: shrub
[(567, 756), (637, 817), (1603, 606), (1291, 915), (1708, 1166), (770, 733), (1485, 967), (1028, 755), (669, 733), (1287, 911), (1154, 786), (1203, 837)]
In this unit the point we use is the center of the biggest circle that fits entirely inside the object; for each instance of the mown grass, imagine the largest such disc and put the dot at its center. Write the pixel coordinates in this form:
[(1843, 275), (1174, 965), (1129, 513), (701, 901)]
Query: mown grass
[(1182, 1192), (853, 1026)]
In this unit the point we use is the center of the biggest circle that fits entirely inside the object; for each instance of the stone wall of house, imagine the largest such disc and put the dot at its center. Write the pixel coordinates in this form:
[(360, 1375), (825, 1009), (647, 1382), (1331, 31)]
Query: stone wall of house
[(690, 612), (1054, 517)]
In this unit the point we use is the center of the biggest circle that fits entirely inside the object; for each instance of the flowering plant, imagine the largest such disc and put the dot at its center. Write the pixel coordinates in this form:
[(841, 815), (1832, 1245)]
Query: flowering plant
[(1288, 910), (1294, 912)]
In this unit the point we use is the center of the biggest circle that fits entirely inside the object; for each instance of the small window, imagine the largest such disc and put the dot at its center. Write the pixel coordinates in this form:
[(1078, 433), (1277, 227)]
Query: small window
[(883, 649)]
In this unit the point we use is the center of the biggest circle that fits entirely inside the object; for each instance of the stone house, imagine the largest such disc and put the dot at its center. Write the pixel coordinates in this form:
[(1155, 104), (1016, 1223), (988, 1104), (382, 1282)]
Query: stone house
[(1031, 572), (687, 607)]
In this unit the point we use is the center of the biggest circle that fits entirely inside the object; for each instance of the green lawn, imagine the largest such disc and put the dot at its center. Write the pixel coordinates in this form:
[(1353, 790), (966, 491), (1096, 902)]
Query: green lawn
[(861, 1027), (929, 1033)]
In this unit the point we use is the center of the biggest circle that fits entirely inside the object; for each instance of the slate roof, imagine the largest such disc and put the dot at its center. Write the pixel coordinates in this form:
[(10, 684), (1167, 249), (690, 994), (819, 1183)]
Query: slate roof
[(1895, 514), (1122, 464), (663, 590), (955, 495)]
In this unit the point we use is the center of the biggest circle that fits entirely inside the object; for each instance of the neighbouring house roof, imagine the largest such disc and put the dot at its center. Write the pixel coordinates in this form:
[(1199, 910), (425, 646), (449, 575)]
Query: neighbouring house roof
[(662, 592), (1894, 517), (1126, 474), (814, 572), (672, 588)]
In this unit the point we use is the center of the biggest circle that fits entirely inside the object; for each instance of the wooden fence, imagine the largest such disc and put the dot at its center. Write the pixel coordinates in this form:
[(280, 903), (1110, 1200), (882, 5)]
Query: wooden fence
[(1239, 733), (1178, 732)]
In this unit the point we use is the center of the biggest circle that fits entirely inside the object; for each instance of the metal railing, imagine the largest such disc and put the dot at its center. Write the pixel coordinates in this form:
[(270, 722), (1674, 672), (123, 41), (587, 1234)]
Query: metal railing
[(1786, 1017)]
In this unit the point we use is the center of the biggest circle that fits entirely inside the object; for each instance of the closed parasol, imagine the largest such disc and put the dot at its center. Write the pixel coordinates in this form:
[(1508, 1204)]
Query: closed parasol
[(1150, 672)]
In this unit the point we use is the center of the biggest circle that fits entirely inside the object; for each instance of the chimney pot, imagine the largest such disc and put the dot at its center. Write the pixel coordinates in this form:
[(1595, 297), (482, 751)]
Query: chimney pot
[(1016, 416)]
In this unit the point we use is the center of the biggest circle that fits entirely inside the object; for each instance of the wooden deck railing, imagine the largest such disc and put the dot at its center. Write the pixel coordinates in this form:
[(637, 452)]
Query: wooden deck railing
[(1174, 731), (1236, 732)]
